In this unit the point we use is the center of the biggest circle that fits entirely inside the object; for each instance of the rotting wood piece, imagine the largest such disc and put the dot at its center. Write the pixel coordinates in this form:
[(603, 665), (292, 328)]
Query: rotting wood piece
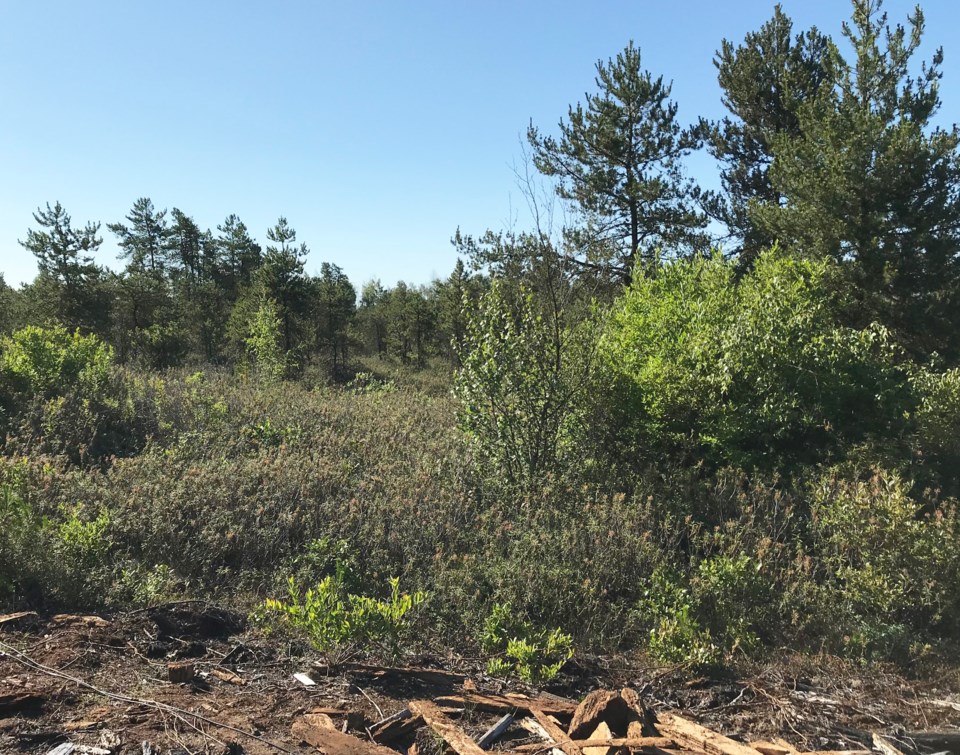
[(394, 727), (630, 743), (313, 728), (18, 702), (555, 732), (459, 740), (697, 737), (884, 745), (601, 705), (552, 706)]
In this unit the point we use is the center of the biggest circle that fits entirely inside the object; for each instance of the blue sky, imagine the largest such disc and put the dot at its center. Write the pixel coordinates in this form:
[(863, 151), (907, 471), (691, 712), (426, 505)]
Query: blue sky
[(376, 128)]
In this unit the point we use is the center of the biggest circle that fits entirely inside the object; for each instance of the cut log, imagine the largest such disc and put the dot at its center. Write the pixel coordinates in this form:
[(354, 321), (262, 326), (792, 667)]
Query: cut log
[(313, 729), (181, 672), (458, 740), (697, 737), (600, 705), (553, 706), (496, 731)]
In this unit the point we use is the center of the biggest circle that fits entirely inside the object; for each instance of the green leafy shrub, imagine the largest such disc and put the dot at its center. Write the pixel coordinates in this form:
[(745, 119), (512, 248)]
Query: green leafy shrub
[(889, 567), (675, 634), (754, 372), (523, 384), (338, 622), (533, 655)]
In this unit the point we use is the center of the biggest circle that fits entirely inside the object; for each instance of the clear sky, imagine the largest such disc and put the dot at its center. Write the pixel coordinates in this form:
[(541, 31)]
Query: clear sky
[(376, 128)]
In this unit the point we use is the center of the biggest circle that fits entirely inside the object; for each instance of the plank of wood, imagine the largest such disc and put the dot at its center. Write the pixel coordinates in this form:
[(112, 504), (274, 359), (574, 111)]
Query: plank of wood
[(697, 737), (459, 740), (9, 618), (555, 733), (496, 731), (508, 703), (227, 676), (772, 748), (535, 728), (631, 743), (312, 728)]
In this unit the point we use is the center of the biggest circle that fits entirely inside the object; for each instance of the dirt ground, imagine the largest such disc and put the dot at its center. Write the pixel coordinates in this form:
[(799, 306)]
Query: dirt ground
[(243, 697)]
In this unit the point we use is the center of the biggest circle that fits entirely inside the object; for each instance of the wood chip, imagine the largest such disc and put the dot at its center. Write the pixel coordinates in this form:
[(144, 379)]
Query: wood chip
[(228, 676), (555, 733), (305, 680), (602, 732)]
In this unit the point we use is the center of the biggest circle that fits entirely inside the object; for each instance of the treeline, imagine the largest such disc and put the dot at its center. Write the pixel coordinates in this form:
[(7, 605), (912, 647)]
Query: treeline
[(188, 296)]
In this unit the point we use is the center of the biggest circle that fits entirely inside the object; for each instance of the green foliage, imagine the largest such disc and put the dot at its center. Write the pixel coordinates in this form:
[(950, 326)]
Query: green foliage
[(618, 160), (522, 384), (532, 655), (888, 565), (753, 372), (265, 342), (49, 362), (338, 622), (675, 635)]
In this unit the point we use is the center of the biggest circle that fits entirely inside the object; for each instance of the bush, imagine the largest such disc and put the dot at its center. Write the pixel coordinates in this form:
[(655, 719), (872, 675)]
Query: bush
[(755, 372), (338, 622), (532, 655)]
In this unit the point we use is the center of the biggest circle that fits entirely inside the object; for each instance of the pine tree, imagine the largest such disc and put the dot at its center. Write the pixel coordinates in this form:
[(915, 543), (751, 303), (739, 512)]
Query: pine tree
[(618, 159), (873, 185), (69, 282), (144, 242), (765, 80)]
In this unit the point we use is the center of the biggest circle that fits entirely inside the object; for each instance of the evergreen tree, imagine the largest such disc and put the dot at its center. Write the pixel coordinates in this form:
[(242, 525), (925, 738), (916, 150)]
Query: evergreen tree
[(618, 160), (144, 242), (873, 185), (68, 289), (239, 254), (764, 82), (335, 304), (282, 279)]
